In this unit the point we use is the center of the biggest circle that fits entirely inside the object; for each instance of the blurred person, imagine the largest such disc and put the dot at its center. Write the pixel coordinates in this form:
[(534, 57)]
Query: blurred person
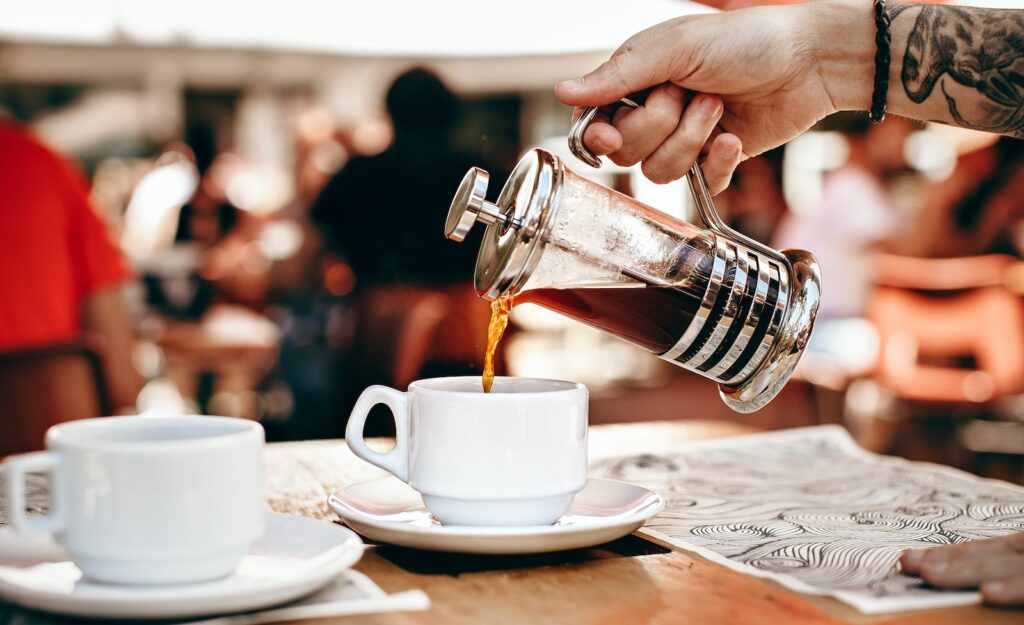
[(753, 203), (382, 212), (855, 214), (62, 273), (190, 257), (383, 215), (152, 215), (207, 216), (317, 157), (738, 83), (977, 210)]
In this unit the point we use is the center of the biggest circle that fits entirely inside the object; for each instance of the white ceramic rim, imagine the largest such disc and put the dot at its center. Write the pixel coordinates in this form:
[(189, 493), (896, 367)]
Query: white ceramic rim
[(330, 563), (81, 434), (643, 515), (431, 386)]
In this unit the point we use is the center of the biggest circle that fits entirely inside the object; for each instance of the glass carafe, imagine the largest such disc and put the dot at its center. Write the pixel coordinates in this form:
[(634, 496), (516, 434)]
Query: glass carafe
[(705, 298)]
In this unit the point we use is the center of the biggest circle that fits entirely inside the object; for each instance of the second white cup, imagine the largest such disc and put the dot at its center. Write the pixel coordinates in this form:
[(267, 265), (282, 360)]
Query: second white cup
[(514, 456), (148, 500)]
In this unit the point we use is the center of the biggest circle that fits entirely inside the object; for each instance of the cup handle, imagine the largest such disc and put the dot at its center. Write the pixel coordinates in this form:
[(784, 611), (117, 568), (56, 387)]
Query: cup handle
[(395, 461), (14, 472)]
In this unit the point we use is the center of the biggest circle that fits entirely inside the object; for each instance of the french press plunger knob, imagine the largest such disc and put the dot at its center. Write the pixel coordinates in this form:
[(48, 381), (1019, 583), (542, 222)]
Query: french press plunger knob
[(473, 207)]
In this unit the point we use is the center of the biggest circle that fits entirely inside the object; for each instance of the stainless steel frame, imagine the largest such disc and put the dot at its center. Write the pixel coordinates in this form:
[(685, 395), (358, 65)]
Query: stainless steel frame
[(711, 345)]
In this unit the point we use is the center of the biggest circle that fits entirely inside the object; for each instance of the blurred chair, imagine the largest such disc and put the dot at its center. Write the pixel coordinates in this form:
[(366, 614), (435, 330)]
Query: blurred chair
[(951, 337), (404, 333), (397, 329), (45, 386), (947, 309), (942, 274), (462, 335)]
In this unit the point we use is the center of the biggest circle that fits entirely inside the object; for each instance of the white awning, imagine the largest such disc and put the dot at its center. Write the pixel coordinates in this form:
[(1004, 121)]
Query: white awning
[(381, 28)]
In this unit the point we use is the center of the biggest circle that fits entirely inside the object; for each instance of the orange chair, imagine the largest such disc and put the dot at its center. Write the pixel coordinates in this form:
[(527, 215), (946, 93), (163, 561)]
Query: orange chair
[(396, 330), (984, 327), (45, 386), (402, 330), (951, 337), (462, 335), (946, 309)]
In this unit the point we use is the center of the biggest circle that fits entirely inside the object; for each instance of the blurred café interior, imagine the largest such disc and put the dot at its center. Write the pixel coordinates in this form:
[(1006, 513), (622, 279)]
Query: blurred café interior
[(257, 192)]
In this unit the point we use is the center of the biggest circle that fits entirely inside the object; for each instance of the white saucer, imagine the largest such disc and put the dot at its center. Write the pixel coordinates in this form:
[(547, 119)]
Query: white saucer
[(293, 558), (389, 511)]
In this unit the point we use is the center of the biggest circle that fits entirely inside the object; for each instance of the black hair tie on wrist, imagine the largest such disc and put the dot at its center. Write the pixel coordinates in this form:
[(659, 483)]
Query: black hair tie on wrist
[(882, 60)]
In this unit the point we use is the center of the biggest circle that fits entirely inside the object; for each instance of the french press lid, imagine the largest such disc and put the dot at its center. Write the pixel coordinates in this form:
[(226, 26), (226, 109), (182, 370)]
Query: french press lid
[(511, 246)]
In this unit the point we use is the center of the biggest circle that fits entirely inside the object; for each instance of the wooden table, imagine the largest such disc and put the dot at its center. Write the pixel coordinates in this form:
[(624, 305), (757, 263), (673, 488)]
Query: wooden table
[(627, 581)]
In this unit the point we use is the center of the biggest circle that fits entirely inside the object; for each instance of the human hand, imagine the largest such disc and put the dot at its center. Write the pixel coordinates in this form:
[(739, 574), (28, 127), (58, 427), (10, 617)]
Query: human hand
[(665, 133), (995, 566), (773, 73)]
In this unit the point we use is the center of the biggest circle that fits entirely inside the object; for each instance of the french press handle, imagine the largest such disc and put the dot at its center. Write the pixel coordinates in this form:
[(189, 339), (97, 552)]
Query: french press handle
[(695, 179)]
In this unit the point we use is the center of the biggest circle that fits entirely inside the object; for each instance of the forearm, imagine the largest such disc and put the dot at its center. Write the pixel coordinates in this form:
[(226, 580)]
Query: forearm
[(104, 318), (955, 65), (959, 65)]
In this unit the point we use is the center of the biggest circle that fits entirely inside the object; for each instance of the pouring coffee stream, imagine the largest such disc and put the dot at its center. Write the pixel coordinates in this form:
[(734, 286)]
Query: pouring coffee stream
[(500, 309), (707, 299)]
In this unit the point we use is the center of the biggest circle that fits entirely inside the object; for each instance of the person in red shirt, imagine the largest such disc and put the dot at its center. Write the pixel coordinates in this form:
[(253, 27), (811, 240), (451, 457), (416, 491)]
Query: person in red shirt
[(59, 270)]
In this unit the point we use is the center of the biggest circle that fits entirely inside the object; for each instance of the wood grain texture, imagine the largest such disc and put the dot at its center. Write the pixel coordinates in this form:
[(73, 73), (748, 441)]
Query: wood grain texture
[(627, 581)]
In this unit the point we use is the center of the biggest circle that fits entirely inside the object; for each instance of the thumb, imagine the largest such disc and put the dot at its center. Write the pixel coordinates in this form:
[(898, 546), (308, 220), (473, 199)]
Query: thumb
[(616, 78)]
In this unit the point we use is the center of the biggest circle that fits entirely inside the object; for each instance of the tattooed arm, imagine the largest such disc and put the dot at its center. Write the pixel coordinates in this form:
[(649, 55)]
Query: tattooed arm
[(958, 65), (766, 74)]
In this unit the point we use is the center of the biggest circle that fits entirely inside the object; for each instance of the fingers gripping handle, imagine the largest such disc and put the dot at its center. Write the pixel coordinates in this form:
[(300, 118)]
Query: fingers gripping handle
[(576, 145), (14, 470), (582, 152), (395, 461), (579, 128)]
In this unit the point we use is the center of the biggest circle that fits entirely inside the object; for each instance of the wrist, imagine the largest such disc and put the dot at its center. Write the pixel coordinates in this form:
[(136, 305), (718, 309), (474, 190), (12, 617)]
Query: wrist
[(839, 37)]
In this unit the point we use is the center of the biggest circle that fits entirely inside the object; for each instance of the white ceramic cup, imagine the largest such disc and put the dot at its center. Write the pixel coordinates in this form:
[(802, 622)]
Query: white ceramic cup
[(148, 500), (515, 456)]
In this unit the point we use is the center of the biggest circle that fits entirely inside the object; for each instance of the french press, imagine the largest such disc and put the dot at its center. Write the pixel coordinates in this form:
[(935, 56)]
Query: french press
[(707, 299)]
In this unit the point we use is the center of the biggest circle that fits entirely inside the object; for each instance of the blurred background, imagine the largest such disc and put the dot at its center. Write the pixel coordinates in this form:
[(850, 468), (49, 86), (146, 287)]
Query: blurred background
[(236, 208)]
